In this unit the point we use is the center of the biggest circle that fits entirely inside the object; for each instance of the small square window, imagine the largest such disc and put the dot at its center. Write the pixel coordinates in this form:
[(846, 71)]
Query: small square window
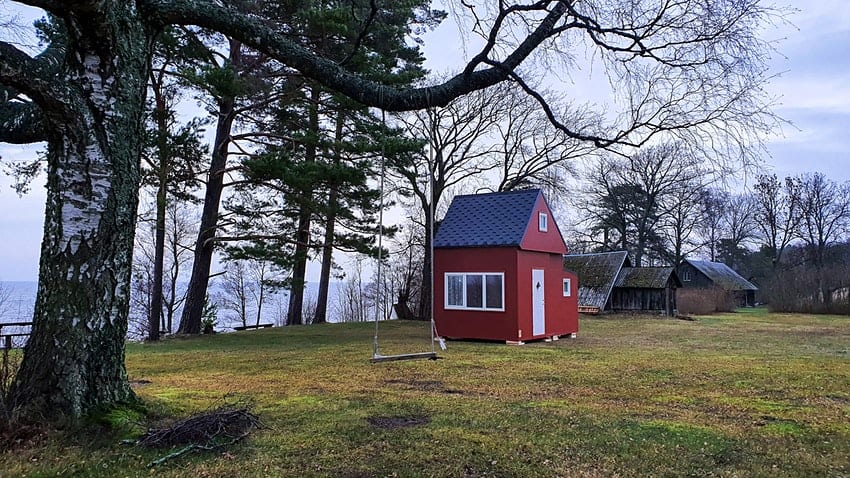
[(568, 287), (543, 222)]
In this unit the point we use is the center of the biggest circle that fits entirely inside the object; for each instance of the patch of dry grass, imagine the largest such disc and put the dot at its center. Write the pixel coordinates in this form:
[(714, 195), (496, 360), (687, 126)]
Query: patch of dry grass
[(745, 394)]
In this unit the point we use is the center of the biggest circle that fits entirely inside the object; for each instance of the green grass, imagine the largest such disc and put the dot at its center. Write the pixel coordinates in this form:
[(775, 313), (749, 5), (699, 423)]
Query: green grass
[(745, 394)]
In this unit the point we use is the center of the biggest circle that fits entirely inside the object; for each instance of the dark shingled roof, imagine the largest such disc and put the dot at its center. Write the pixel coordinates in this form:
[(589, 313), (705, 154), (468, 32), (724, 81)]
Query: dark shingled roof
[(487, 220), (645, 277), (722, 275), (596, 274)]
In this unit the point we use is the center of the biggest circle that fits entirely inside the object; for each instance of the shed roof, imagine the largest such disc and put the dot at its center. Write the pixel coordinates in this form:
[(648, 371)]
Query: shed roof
[(487, 220), (722, 275), (596, 275), (646, 277)]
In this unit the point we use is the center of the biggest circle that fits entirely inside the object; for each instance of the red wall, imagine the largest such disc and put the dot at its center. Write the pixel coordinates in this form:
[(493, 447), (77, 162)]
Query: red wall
[(561, 312), (549, 241), (515, 323), (474, 324)]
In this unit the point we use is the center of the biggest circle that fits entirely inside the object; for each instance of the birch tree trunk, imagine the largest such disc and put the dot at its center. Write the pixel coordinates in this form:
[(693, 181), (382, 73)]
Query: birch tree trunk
[(74, 360)]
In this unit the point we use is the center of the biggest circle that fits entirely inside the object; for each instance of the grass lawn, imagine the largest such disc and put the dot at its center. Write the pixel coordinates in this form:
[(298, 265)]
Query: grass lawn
[(744, 394)]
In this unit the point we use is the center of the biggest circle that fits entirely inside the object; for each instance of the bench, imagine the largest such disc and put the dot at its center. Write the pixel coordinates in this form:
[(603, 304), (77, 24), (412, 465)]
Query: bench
[(6, 339), (257, 326)]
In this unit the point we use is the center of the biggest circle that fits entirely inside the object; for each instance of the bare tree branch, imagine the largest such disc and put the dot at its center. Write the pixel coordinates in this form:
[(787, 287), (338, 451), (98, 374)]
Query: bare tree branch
[(256, 34)]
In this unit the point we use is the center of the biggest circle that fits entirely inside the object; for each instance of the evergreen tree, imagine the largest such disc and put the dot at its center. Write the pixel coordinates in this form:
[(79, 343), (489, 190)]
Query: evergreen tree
[(333, 143), (171, 159)]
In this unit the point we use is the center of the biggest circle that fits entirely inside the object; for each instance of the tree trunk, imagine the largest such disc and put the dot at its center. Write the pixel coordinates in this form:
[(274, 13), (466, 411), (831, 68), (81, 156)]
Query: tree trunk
[(424, 312), (74, 360), (196, 292), (321, 315), (299, 270), (159, 261), (160, 116), (302, 236), (261, 297), (330, 224), (171, 304)]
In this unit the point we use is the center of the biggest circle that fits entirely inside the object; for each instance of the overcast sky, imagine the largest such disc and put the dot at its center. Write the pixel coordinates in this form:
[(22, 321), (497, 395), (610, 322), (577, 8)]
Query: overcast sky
[(813, 87)]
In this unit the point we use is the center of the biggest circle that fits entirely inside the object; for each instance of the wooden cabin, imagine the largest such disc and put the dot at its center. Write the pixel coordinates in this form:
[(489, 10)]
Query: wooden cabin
[(609, 283), (706, 274), (645, 289), (596, 275)]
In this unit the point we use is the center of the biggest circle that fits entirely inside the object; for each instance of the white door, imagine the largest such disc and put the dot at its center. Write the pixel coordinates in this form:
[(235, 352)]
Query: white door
[(538, 306)]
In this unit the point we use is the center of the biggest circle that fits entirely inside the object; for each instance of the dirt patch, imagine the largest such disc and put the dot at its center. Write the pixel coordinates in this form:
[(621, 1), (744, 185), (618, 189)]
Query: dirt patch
[(838, 399), (417, 384), (394, 423), (424, 386), (21, 436)]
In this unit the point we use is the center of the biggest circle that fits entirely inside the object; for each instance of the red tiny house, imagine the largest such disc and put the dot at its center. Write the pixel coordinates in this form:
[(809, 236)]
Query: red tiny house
[(498, 270)]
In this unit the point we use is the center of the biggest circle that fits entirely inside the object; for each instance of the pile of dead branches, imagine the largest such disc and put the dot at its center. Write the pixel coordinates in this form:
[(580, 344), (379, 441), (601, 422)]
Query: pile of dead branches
[(205, 431), (207, 428)]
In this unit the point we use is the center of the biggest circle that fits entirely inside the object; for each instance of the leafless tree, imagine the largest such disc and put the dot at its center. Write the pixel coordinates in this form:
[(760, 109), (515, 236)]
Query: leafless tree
[(352, 303), (460, 146), (777, 213), (825, 211), (180, 226), (236, 291), (627, 198), (530, 150), (713, 203), (5, 299), (678, 226), (404, 272), (738, 229), (177, 236), (246, 287)]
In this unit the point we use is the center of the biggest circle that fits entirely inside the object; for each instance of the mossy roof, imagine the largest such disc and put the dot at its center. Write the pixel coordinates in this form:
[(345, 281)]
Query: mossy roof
[(596, 275), (646, 277)]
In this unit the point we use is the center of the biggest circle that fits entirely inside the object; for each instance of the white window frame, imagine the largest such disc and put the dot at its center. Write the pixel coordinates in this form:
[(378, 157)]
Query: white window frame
[(686, 275), (542, 222), (568, 287), (483, 275)]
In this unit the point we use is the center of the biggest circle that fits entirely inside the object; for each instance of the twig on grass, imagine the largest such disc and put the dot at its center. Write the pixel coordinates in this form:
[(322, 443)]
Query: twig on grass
[(206, 431), (195, 446)]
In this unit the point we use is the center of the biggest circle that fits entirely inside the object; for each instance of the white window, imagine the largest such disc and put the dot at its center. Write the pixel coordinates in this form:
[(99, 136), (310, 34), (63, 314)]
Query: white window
[(686, 275), (475, 290), (568, 287), (454, 290), (543, 222)]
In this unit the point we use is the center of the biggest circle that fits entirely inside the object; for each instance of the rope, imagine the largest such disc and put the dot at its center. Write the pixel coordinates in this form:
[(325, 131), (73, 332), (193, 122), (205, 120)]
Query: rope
[(379, 294), (380, 288), (431, 241)]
